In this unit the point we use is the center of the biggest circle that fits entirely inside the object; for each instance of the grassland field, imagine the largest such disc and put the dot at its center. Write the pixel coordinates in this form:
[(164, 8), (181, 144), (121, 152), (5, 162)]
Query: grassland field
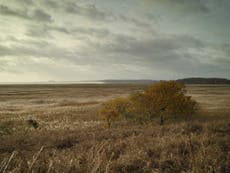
[(55, 128)]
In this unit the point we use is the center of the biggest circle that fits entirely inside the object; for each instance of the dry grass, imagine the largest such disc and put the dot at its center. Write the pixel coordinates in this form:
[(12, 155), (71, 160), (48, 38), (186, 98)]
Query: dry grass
[(70, 138)]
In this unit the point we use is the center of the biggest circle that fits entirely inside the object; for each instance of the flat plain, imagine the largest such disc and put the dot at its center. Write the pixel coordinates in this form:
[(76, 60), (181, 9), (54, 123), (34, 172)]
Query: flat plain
[(55, 128)]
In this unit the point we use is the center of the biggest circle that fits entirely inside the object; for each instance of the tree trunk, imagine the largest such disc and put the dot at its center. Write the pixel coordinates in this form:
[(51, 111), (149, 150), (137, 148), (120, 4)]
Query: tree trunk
[(161, 120), (109, 123)]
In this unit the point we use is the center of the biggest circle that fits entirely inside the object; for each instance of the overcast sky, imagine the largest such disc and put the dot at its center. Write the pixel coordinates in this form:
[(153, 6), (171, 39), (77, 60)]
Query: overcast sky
[(72, 40)]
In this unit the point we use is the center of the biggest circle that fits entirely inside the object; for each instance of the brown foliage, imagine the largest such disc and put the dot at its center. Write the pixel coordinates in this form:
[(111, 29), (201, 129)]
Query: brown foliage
[(113, 109), (169, 98), (163, 99)]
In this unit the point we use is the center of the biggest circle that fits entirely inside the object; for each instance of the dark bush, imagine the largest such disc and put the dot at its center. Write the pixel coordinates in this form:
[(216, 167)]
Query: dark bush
[(33, 123)]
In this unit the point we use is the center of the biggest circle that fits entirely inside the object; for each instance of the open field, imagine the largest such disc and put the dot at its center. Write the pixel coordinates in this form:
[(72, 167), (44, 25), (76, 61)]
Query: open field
[(55, 128)]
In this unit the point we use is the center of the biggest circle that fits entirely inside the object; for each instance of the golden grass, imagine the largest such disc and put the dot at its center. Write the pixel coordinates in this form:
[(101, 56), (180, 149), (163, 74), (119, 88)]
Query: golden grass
[(71, 138)]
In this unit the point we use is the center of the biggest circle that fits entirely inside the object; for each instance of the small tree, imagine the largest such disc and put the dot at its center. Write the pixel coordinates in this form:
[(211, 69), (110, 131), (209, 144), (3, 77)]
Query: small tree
[(168, 99), (157, 101)]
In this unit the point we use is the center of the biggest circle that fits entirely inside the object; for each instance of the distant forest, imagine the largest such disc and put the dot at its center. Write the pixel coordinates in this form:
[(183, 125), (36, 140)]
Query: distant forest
[(193, 80), (204, 81)]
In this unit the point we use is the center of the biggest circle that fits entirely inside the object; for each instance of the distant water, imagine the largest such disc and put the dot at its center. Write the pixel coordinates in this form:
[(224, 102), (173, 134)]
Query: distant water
[(52, 82), (84, 82)]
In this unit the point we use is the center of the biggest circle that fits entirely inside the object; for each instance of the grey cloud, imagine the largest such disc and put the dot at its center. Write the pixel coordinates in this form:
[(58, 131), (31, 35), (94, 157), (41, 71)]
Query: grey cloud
[(196, 5), (149, 47), (38, 31), (153, 53), (46, 30), (51, 3), (4, 10), (37, 14), (91, 31), (226, 49), (59, 29), (108, 37), (25, 2), (35, 49), (136, 22), (193, 6), (40, 15), (165, 52), (4, 50), (89, 11), (92, 12)]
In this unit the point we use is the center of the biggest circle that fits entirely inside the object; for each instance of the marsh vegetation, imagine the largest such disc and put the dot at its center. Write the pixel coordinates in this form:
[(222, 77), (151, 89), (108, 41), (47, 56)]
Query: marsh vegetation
[(56, 128)]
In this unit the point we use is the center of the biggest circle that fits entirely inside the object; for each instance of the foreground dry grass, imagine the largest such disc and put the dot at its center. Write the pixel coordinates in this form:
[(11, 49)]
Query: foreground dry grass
[(68, 136)]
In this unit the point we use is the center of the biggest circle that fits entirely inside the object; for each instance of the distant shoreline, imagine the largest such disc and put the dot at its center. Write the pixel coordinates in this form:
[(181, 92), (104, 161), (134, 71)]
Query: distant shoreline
[(201, 81)]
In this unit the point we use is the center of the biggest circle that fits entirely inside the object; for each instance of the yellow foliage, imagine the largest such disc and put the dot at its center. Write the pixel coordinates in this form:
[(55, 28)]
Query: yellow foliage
[(159, 100), (113, 110), (169, 98)]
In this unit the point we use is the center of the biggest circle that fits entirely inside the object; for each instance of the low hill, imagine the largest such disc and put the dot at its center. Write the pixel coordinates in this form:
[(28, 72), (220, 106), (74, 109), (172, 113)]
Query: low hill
[(114, 81), (204, 81)]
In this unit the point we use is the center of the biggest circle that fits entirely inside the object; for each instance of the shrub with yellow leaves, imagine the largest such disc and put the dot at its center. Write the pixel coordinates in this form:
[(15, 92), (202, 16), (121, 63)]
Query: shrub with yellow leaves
[(160, 100)]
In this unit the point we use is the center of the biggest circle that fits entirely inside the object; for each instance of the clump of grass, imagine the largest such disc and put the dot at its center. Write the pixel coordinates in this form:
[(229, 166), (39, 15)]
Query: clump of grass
[(33, 123), (6, 128), (66, 143)]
